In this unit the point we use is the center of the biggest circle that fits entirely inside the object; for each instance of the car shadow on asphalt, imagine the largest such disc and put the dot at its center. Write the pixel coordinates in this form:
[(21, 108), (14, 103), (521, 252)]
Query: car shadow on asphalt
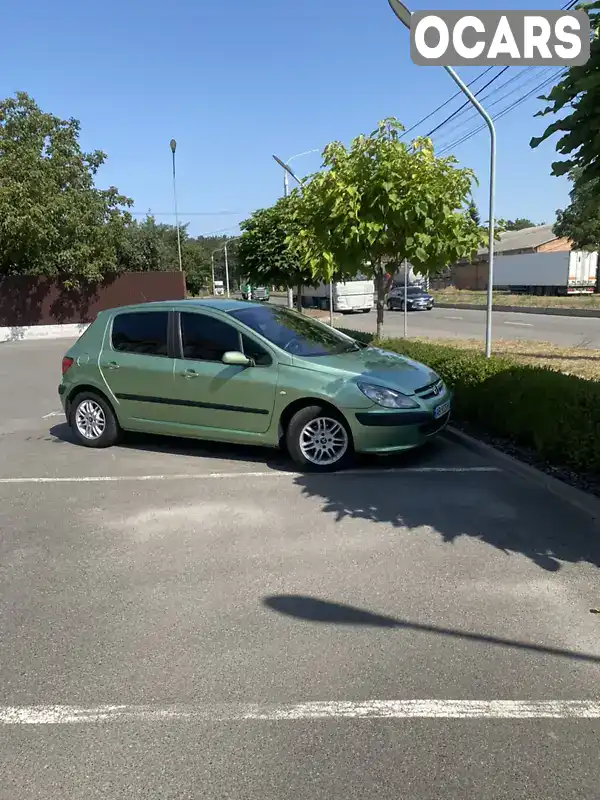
[(502, 510), (312, 609), (268, 457)]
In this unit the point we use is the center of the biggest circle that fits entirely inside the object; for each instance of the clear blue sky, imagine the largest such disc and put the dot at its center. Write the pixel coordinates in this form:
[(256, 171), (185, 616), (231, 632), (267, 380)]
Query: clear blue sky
[(235, 81)]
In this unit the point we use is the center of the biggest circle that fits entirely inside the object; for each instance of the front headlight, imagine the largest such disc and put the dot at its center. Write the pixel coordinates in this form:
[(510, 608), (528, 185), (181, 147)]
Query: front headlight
[(388, 398)]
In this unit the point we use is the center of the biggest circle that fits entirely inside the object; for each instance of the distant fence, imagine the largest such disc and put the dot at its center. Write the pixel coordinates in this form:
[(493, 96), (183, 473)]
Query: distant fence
[(28, 300)]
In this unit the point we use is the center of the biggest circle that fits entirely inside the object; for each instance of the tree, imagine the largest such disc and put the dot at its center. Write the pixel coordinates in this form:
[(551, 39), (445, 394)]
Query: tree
[(519, 224), (578, 91), (580, 221), (266, 251), (382, 200), (53, 219), (473, 212)]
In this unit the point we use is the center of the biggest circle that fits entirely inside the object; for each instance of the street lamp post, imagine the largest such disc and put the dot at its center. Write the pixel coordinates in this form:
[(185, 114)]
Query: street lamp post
[(300, 182), (404, 15), (226, 271), (173, 145), (286, 191), (212, 270)]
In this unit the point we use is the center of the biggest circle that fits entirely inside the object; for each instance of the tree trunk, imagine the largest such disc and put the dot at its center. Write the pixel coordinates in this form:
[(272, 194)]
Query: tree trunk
[(299, 299), (380, 290)]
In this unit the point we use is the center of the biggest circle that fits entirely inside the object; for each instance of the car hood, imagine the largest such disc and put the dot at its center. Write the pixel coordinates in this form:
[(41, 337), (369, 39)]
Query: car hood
[(373, 365)]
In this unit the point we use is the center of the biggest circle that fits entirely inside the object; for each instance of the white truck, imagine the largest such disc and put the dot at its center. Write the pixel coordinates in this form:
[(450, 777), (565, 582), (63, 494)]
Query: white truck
[(348, 296), (573, 272)]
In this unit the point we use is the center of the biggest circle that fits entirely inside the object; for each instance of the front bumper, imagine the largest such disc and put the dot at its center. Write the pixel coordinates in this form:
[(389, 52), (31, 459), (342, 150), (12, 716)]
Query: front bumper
[(382, 431)]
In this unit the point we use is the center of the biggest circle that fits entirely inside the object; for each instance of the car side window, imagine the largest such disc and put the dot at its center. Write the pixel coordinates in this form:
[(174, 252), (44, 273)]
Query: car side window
[(142, 333), (256, 352), (205, 338)]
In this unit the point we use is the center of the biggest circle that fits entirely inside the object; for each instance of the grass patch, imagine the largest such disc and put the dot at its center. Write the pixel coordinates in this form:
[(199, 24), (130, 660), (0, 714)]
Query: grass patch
[(452, 295), (569, 360)]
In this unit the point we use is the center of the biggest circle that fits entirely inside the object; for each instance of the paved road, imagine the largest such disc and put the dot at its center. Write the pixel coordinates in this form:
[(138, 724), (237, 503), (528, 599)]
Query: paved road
[(183, 621), (453, 323)]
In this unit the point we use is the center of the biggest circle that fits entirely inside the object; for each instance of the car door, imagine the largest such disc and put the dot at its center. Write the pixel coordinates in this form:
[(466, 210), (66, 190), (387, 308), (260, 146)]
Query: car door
[(137, 365), (211, 394)]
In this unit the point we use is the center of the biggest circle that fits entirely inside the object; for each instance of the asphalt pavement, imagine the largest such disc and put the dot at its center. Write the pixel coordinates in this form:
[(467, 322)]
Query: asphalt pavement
[(189, 621), (454, 323)]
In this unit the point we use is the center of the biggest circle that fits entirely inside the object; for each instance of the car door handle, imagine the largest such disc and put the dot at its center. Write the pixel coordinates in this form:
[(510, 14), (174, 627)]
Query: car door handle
[(189, 373), (112, 365)]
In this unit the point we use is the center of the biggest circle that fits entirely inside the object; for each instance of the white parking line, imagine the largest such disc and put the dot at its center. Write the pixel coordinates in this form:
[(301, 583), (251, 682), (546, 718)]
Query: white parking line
[(447, 317), (188, 476), (520, 324), (53, 414), (370, 709)]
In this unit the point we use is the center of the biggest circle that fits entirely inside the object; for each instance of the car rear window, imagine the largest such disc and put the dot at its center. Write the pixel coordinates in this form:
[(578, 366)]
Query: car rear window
[(141, 332)]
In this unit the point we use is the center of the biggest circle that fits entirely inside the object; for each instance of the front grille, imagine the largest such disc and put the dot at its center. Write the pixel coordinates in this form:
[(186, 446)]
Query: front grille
[(431, 390)]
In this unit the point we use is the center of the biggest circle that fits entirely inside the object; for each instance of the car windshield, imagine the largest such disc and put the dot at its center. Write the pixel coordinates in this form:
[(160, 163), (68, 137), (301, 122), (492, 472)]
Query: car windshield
[(414, 290), (294, 333)]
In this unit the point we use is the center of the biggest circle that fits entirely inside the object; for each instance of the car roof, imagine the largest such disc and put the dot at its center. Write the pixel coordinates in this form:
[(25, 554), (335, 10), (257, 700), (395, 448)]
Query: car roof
[(225, 305)]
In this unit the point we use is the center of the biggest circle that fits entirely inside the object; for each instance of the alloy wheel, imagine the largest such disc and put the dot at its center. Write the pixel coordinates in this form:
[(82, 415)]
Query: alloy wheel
[(90, 419), (323, 441)]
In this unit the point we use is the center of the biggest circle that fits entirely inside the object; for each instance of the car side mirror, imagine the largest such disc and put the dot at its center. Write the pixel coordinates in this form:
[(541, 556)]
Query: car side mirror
[(233, 358)]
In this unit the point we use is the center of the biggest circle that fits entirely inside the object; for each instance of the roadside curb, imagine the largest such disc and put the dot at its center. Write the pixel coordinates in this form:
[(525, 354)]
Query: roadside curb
[(583, 501), (554, 312)]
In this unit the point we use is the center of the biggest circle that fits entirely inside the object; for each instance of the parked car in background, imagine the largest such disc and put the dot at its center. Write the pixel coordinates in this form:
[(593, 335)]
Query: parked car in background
[(417, 299), (260, 293), (246, 373)]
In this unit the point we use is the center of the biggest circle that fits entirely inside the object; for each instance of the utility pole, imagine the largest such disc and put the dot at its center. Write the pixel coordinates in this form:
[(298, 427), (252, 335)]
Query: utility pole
[(173, 145), (226, 271)]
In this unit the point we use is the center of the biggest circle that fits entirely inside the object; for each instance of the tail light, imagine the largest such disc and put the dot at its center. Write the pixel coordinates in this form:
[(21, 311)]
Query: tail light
[(66, 363)]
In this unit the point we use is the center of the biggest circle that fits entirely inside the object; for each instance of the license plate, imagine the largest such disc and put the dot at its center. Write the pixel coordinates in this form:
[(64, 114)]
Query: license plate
[(441, 410)]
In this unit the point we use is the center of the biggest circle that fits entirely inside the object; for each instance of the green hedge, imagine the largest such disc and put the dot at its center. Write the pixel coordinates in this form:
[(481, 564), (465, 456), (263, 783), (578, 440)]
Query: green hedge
[(557, 415)]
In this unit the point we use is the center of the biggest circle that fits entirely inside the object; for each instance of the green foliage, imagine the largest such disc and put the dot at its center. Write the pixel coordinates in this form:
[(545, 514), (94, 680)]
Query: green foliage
[(578, 93), (383, 200), (150, 246), (519, 224), (265, 250), (53, 219), (556, 415), (473, 212), (580, 221)]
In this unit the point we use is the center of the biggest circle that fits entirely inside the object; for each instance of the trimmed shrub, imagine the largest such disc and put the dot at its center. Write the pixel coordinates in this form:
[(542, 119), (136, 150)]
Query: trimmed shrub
[(556, 415)]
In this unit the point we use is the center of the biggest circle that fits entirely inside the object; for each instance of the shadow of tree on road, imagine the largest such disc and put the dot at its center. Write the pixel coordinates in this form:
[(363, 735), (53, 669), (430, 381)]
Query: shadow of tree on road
[(512, 515)]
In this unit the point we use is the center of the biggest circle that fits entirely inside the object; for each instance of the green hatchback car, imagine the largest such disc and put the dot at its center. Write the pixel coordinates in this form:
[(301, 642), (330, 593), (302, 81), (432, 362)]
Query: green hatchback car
[(247, 373)]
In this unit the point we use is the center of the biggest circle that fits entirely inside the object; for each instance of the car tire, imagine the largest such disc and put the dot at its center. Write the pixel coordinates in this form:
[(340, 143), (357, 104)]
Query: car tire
[(390, 306), (303, 428), (86, 408)]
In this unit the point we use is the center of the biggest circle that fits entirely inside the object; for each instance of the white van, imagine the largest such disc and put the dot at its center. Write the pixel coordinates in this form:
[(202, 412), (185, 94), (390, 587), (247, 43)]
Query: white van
[(348, 296)]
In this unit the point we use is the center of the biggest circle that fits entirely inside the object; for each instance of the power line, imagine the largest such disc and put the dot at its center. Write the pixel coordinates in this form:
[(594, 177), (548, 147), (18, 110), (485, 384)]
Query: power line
[(466, 103), (569, 5), (516, 88), (503, 112), (443, 105)]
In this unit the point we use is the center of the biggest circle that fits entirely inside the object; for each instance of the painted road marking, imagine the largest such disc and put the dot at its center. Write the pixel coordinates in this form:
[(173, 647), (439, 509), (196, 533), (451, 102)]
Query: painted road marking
[(453, 317), (230, 475), (520, 324), (53, 414), (370, 709)]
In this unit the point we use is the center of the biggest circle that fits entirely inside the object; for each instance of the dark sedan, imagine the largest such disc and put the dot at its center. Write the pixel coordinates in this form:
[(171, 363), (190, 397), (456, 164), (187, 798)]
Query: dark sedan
[(416, 299)]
